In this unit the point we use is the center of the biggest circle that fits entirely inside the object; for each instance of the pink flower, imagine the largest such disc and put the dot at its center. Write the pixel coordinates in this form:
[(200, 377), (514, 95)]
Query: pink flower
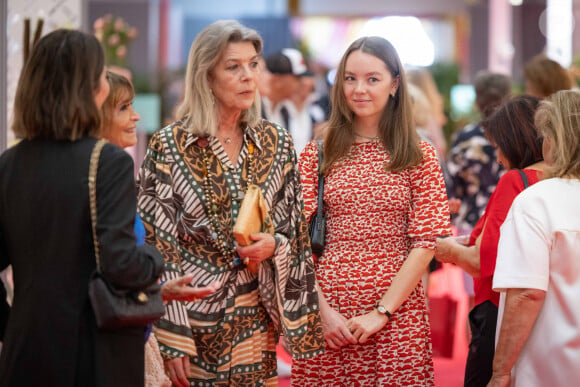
[(132, 34), (99, 24), (119, 24), (113, 40), (121, 51), (99, 35)]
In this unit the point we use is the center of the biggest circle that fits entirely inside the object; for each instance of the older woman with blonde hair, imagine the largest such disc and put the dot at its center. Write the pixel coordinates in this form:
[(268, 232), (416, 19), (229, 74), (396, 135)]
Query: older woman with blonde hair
[(538, 262), (191, 186)]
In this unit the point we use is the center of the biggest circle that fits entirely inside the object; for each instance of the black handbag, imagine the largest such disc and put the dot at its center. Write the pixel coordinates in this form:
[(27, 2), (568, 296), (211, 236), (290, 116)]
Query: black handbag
[(317, 226), (115, 308)]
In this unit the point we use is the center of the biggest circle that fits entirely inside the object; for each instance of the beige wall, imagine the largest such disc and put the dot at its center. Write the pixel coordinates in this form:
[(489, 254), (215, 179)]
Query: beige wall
[(56, 14)]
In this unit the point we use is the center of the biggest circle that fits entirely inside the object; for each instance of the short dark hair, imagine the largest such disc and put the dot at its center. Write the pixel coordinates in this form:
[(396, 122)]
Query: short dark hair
[(511, 127), (121, 89), (55, 93), (491, 90)]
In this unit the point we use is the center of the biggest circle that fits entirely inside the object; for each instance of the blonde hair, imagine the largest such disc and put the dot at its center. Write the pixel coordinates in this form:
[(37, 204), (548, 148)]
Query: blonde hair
[(121, 90), (198, 110), (420, 104), (423, 79), (396, 125), (558, 120)]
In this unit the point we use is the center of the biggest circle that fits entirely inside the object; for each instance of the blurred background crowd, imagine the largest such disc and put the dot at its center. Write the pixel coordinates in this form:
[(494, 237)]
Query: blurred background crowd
[(462, 58)]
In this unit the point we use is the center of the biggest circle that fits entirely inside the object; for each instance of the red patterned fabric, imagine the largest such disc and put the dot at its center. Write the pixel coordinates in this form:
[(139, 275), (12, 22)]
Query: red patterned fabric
[(374, 218)]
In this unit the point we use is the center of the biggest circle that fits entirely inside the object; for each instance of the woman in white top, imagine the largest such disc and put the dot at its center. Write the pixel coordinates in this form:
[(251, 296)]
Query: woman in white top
[(538, 263)]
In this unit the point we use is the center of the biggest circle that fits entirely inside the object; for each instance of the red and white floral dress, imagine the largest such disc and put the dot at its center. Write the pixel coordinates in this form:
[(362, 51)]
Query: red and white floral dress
[(374, 218)]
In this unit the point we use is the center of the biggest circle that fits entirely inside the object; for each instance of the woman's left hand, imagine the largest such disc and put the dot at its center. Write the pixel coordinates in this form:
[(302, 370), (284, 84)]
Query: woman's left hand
[(363, 327), (262, 248)]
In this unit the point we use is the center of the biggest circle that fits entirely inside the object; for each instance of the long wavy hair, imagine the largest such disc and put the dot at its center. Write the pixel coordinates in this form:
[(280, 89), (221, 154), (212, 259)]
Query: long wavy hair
[(198, 109), (396, 125)]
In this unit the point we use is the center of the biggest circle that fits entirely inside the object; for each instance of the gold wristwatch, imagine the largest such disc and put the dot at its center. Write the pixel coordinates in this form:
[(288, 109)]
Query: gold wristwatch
[(383, 310)]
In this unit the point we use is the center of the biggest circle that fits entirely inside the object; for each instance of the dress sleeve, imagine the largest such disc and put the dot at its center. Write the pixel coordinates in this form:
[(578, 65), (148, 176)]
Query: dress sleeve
[(124, 264), (429, 208), (157, 210), (508, 187), (293, 270), (524, 233), (309, 178)]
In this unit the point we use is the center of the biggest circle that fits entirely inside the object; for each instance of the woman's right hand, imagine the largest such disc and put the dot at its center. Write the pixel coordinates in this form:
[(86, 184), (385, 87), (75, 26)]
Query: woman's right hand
[(178, 371), (336, 333), (446, 250), (179, 289)]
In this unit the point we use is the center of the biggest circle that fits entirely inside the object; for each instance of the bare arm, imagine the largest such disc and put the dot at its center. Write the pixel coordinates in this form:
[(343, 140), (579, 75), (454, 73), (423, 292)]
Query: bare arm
[(452, 251), (403, 284), (521, 310), (407, 278)]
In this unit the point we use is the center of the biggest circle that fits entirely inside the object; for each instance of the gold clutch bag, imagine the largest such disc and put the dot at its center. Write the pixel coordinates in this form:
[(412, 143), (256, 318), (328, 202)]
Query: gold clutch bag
[(253, 216)]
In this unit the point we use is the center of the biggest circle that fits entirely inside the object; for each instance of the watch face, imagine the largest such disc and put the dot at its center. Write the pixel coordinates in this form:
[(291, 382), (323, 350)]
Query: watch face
[(381, 309)]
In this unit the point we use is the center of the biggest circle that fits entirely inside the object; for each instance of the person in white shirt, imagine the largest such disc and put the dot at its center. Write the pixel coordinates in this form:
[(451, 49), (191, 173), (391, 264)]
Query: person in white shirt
[(538, 262), (289, 98)]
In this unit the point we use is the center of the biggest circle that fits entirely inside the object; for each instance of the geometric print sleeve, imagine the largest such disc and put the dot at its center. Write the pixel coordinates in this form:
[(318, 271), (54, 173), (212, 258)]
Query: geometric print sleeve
[(293, 268), (158, 211), (429, 212)]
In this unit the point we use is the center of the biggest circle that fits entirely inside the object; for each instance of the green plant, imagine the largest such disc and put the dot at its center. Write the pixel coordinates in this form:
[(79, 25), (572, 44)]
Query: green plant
[(115, 34), (446, 75)]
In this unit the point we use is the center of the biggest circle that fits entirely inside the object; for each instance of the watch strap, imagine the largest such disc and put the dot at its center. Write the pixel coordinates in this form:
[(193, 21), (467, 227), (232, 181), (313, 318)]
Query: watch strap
[(384, 311)]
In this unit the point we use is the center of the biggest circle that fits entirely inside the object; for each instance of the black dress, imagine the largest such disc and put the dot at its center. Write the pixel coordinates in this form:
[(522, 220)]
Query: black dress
[(51, 337)]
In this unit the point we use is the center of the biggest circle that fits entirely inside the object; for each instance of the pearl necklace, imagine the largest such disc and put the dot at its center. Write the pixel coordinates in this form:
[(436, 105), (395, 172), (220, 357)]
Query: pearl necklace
[(218, 233)]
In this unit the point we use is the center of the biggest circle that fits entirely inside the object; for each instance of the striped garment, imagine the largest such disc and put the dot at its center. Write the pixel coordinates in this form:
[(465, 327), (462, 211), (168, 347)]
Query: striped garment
[(231, 335)]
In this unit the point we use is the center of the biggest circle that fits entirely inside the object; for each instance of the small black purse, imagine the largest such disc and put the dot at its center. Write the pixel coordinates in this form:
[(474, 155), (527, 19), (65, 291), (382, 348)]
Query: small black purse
[(317, 226), (115, 308)]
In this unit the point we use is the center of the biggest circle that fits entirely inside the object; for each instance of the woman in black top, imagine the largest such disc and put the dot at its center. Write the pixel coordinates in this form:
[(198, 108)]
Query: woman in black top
[(51, 337)]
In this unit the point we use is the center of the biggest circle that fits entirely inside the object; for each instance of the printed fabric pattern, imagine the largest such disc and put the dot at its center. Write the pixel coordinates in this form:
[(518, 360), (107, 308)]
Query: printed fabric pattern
[(374, 218), (231, 335)]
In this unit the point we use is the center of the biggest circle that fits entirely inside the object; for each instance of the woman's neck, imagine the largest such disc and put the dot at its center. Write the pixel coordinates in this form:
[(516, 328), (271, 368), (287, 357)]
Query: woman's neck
[(228, 123), (368, 129), (539, 166)]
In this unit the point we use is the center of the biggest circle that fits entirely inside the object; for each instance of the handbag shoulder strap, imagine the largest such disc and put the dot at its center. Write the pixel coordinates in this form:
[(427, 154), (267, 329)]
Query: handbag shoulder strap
[(320, 180), (524, 178), (93, 166)]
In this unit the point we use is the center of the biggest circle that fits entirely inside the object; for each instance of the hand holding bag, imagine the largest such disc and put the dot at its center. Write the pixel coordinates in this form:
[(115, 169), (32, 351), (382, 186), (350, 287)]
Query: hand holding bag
[(317, 226), (116, 308), (252, 218)]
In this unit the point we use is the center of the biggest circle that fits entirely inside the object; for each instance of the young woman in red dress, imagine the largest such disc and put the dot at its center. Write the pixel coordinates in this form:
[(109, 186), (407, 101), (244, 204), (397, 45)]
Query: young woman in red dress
[(385, 203)]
